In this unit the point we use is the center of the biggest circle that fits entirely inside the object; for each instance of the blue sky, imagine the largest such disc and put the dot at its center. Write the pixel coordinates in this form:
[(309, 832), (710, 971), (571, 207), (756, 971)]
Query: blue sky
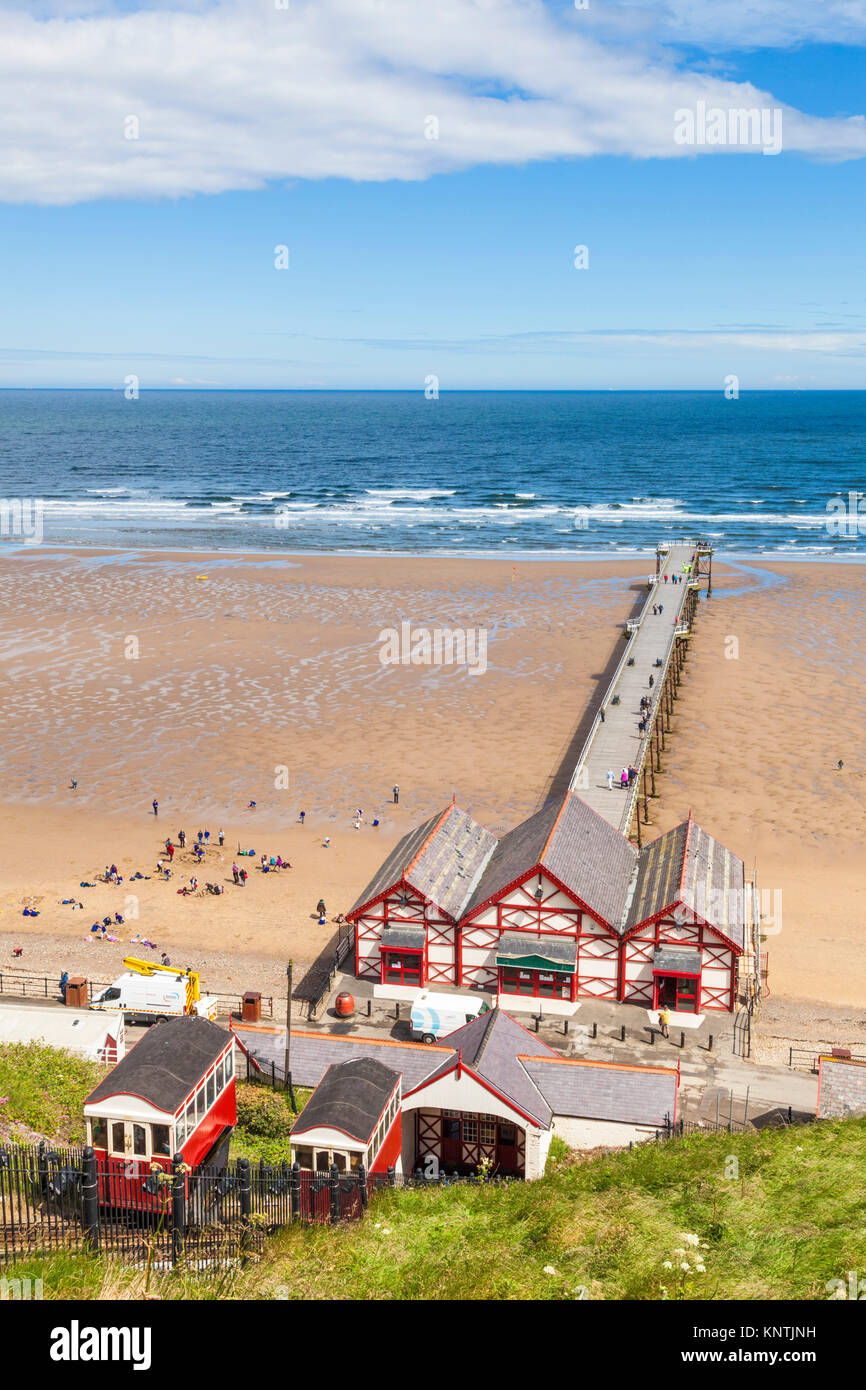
[(412, 257)]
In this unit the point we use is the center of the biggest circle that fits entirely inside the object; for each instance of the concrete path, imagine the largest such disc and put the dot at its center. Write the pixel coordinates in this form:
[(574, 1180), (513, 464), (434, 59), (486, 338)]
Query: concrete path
[(616, 742)]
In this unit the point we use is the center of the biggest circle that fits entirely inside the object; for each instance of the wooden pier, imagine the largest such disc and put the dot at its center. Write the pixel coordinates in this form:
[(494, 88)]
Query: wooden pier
[(652, 663)]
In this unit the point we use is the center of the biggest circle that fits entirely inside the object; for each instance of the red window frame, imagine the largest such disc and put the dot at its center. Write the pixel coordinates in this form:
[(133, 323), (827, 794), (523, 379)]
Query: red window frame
[(405, 972), (693, 999), (528, 984)]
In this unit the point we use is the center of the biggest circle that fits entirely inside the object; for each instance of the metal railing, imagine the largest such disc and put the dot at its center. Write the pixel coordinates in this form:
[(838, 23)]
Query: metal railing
[(799, 1056)]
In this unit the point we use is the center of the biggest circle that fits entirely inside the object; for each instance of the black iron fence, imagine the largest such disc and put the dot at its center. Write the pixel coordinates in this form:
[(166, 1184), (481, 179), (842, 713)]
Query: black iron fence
[(25, 984), (68, 1199)]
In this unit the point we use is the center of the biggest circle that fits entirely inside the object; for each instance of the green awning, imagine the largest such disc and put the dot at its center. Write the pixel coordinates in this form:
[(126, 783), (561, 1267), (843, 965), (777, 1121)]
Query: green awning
[(534, 953)]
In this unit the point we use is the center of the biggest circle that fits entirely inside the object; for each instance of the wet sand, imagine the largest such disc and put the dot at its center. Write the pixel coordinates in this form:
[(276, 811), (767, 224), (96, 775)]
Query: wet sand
[(262, 681)]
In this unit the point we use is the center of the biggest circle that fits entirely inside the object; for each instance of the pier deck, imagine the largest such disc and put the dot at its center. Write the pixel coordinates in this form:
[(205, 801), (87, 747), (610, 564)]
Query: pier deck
[(615, 743)]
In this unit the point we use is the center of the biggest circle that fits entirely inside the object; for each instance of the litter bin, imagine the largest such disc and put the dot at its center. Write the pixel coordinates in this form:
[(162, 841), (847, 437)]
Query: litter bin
[(76, 992), (252, 1007)]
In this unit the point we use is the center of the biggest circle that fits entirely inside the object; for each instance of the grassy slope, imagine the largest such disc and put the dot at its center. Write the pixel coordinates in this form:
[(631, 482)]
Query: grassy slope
[(794, 1218), (42, 1092)]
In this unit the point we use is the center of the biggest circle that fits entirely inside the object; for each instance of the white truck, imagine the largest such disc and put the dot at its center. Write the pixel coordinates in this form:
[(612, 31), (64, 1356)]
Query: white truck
[(149, 991), (436, 1015)]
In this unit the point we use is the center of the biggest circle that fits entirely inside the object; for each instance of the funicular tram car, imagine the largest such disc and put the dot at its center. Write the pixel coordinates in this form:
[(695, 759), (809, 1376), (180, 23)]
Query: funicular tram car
[(173, 1093)]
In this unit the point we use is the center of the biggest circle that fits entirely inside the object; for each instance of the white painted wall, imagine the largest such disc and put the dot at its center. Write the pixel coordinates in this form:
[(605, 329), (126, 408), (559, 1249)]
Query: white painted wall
[(592, 1134)]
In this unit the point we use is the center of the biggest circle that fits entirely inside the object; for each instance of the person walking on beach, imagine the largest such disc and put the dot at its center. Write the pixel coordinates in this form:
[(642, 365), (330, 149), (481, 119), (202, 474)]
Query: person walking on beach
[(236, 873), (396, 794), (651, 682), (302, 817), (221, 839), (623, 777), (155, 807), (321, 910), (610, 779), (243, 878), (170, 851), (181, 838), (207, 837)]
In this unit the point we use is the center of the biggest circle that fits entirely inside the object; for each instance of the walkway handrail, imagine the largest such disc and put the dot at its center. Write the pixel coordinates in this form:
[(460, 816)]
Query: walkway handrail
[(678, 631)]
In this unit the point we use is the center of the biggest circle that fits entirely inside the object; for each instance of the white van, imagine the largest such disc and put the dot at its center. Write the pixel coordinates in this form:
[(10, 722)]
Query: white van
[(146, 998), (435, 1015)]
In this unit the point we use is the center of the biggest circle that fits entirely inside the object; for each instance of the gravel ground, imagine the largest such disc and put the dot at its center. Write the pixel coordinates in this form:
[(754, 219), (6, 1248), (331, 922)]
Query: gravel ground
[(785, 1023), (222, 972)]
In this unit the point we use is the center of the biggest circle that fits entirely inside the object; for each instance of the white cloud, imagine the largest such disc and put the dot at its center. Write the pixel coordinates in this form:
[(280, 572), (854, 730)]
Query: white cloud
[(238, 95), (735, 24)]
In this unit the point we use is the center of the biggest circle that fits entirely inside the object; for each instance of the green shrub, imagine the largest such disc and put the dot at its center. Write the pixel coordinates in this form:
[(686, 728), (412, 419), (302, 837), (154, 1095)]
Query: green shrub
[(264, 1112)]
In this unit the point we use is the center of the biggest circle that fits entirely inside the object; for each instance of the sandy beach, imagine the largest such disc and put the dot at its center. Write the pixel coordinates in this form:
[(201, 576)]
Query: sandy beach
[(212, 681)]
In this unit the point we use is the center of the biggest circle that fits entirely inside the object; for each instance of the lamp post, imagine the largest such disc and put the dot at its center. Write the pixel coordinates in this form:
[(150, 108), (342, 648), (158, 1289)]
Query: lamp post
[(287, 1058)]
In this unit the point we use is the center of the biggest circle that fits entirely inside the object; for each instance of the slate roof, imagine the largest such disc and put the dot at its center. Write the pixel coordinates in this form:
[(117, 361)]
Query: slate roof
[(489, 1046), (586, 854), (683, 960), (713, 884), (604, 1090), (313, 1053), (350, 1097), (164, 1066), (657, 885), (516, 853), (515, 1062), (403, 935), (686, 865), (441, 859), (458, 865)]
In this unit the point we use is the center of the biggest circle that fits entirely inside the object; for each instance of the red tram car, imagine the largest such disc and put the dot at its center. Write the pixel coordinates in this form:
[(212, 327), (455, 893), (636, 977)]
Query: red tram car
[(172, 1094)]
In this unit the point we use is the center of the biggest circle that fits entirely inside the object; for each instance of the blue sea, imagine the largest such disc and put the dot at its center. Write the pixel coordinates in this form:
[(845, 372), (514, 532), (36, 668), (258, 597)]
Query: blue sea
[(469, 473)]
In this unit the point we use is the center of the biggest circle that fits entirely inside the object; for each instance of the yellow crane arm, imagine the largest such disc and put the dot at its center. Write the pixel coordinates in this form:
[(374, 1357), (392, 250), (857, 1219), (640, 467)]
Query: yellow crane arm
[(149, 967)]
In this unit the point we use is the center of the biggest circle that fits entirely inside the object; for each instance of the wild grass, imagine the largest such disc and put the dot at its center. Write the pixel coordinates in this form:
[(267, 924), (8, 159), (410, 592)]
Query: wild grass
[(42, 1091), (772, 1215)]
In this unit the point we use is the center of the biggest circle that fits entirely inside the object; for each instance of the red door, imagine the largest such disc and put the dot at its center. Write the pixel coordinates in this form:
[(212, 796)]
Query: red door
[(452, 1151), (506, 1148)]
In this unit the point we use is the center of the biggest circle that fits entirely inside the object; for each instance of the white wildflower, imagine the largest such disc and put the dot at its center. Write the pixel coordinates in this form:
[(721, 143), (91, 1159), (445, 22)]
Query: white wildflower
[(691, 1240), (548, 1269), (685, 1265), (702, 1269), (666, 1264), (386, 1230)]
